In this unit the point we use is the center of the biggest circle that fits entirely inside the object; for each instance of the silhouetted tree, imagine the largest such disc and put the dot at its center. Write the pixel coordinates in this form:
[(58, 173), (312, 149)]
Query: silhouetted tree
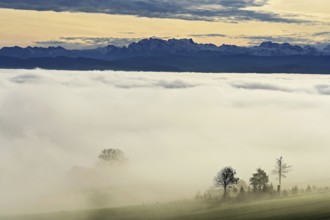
[(111, 155), (198, 195), (259, 181), (309, 189), (294, 190), (206, 196), (265, 189), (249, 190), (281, 169), (285, 193), (241, 190), (226, 179), (241, 195), (271, 188)]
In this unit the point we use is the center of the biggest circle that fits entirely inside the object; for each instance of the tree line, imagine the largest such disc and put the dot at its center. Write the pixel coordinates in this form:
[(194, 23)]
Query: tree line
[(226, 179)]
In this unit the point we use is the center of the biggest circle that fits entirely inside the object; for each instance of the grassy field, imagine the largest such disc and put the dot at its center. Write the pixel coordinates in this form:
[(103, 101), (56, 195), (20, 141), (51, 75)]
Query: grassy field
[(313, 206)]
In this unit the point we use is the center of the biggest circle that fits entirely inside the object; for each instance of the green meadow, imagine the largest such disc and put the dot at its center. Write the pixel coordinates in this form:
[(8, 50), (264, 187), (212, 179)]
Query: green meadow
[(307, 206)]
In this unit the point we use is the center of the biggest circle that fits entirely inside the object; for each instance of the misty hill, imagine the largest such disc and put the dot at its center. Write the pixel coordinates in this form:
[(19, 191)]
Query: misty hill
[(174, 55)]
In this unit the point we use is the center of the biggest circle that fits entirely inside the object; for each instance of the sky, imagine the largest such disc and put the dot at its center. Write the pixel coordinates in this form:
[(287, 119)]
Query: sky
[(177, 131), (94, 23)]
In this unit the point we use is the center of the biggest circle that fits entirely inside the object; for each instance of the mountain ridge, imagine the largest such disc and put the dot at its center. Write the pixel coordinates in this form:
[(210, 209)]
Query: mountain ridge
[(154, 46), (180, 55)]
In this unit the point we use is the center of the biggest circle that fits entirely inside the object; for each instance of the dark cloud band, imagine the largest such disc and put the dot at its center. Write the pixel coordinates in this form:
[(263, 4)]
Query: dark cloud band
[(87, 42), (210, 10)]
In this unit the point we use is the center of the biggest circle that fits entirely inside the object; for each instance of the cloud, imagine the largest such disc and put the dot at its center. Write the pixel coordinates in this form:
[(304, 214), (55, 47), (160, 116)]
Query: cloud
[(301, 39), (325, 33), (171, 126), (87, 42), (176, 84), (323, 89), (209, 10), (27, 78), (208, 35), (134, 83), (260, 86), (291, 39)]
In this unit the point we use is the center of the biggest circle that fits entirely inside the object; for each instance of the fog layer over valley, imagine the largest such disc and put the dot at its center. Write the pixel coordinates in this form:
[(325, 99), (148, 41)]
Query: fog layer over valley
[(176, 129)]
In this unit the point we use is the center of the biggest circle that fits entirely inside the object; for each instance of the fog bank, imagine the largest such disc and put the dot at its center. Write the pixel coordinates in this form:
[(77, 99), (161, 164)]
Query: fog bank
[(176, 129)]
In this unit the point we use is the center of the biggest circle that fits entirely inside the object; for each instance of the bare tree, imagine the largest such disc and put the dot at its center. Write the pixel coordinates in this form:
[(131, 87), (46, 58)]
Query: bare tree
[(281, 169), (226, 179)]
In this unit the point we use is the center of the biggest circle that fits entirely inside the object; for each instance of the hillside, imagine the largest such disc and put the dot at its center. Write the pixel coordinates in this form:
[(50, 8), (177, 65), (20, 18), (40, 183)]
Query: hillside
[(312, 206)]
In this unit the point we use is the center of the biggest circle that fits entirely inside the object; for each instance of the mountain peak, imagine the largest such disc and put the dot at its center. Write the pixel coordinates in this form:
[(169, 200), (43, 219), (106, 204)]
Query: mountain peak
[(160, 46), (159, 41), (327, 48), (183, 40), (147, 43), (269, 44)]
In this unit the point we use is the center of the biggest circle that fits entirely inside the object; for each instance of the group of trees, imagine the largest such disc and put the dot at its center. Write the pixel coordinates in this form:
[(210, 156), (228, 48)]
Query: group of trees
[(226, 179), (259, 181)]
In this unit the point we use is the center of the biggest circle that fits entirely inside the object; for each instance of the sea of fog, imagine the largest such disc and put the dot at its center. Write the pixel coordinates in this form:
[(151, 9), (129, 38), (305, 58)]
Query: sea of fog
[(176, 129)]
